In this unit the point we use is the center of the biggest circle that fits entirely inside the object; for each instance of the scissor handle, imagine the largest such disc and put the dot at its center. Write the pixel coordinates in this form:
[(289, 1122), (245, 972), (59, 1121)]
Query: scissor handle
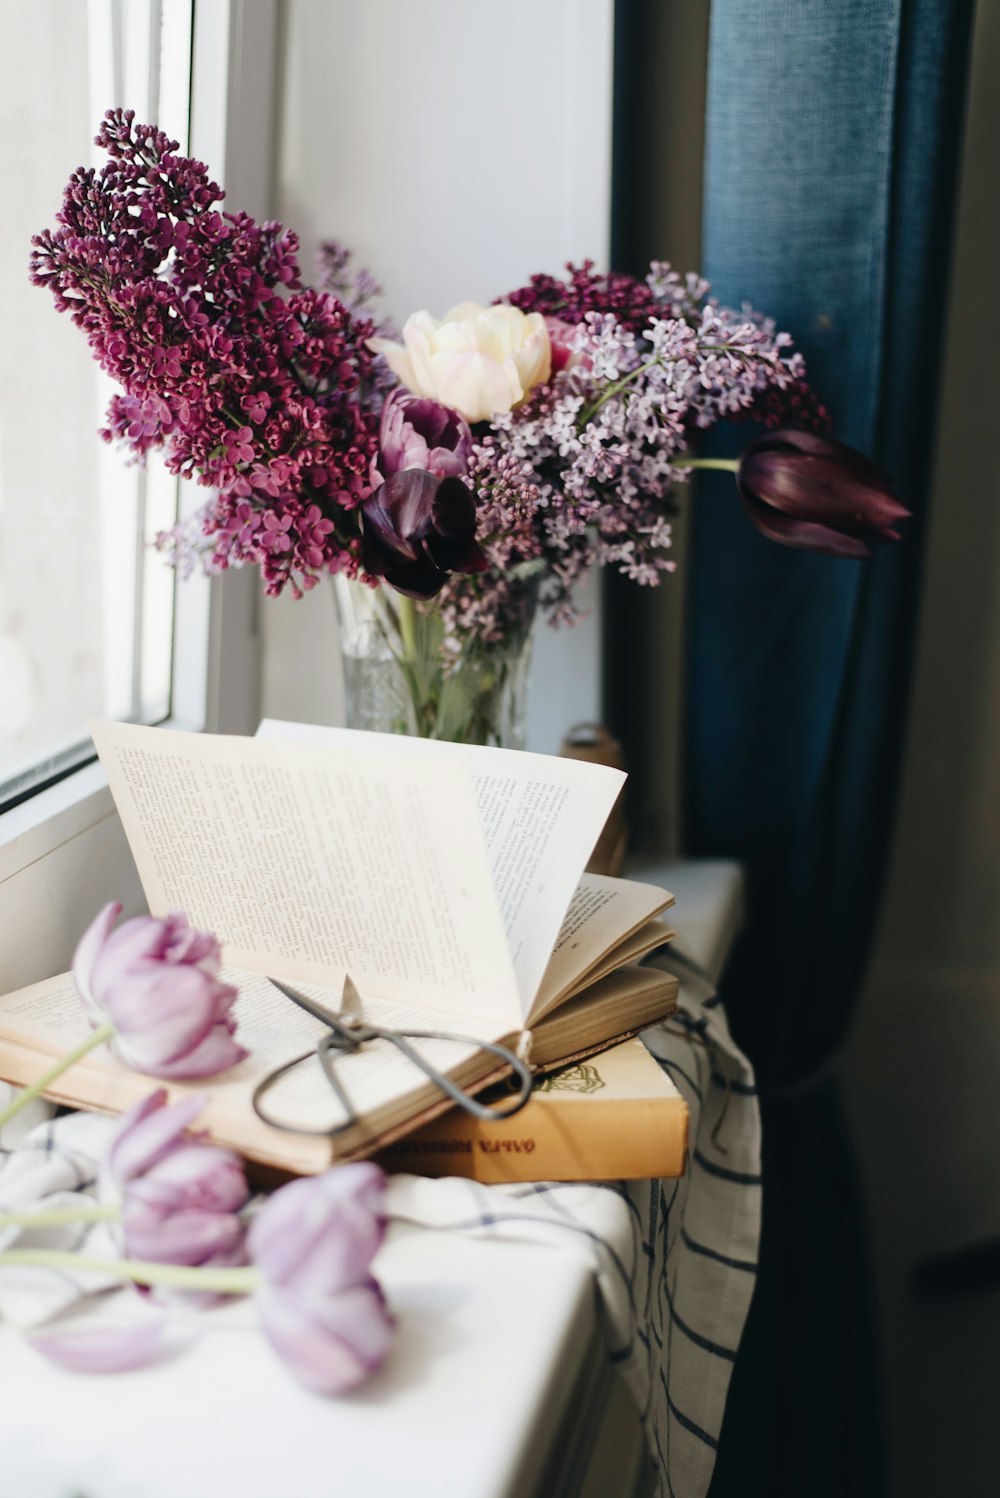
[(326, 1044), (450, 1088)]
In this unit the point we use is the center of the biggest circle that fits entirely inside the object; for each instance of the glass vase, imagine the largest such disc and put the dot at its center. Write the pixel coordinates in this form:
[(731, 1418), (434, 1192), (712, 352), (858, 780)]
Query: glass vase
[(402, 674)]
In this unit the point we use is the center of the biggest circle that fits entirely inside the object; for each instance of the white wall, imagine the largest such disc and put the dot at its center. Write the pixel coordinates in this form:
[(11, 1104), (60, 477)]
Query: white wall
[(458, 147)]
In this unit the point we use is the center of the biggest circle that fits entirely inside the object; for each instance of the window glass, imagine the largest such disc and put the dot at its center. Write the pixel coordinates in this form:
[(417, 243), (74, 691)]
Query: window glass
[(86, 612)]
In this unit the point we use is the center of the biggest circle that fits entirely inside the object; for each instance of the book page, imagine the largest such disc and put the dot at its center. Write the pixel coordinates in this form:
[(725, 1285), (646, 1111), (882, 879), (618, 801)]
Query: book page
[(50, 1016), (373, 1077), (602, 913), (310, 866), (541, 816)]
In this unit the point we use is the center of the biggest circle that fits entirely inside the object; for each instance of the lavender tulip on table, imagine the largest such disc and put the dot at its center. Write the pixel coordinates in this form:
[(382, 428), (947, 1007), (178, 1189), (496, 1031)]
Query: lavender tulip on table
[(180, 1196), (150, 989), (156, 983), (320, 1307), (304, 1255), (175, 1205)]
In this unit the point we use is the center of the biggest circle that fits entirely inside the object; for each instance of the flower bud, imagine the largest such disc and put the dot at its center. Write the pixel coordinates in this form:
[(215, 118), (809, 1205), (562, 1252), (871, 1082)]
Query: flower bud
[(320, 1234), (416, 529), (418, 433), (156, 981), (180, 1195), (313, 1242), (331, 1344), (818, 495)]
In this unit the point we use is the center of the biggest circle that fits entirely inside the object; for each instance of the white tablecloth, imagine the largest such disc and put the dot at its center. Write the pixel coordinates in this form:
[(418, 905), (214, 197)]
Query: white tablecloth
[(673, 1260)]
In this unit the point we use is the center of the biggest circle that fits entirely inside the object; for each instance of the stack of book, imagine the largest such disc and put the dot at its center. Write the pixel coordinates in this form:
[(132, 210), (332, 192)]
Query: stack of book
[(445, 879), (616, 1116)]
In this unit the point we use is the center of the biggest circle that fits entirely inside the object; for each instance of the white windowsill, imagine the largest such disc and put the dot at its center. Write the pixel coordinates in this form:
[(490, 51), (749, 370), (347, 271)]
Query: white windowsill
[(41, 823)]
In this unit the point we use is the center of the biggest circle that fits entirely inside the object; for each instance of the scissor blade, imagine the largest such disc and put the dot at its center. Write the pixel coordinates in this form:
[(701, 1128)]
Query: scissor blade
[(312, 1006), (350, 999)]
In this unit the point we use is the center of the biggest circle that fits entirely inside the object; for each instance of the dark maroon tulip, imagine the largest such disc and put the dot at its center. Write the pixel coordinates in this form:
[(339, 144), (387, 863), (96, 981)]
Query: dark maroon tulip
[(417, 528), (817, 494)]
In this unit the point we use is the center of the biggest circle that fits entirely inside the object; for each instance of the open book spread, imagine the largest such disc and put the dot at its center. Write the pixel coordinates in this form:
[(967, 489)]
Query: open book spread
[(444, 879)]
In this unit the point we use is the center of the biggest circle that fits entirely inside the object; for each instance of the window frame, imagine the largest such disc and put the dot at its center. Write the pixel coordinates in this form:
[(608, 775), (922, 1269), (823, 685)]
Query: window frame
[(63, 853)]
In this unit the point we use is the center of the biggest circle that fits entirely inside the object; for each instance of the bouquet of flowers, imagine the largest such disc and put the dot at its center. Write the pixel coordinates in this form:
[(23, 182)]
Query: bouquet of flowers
[(468, 472)]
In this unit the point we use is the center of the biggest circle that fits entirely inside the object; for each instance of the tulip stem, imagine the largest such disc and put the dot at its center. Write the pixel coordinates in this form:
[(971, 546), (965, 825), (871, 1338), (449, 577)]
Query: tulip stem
[(240, 1280), (57, 1216), (406, 613), (34, 1089), (725, 465)]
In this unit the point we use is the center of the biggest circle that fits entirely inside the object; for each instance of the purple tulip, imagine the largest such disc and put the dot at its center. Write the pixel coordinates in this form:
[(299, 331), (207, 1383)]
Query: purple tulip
[(313, 1242), (416, 529), (156, 981), (320, 1234), (419, 433), (180, 1195), (817, 494), (330, 1344), (102, 1349)]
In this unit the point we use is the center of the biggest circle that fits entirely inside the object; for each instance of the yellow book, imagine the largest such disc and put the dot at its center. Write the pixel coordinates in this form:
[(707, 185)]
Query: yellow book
[(616, 1116)]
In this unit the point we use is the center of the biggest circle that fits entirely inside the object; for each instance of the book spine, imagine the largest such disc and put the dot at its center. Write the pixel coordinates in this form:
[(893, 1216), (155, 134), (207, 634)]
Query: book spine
[(573, 1140)]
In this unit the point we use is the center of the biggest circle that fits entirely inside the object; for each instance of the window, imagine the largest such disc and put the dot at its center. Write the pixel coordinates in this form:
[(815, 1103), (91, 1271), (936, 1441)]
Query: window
[(86, 610), (192, 650)]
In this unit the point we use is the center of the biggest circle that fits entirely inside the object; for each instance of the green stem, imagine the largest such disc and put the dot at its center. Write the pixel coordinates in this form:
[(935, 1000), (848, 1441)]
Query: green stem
[(613, 390), (57, 1216), (34, 1089), (238, 1281), (725, 465), (406, 613)]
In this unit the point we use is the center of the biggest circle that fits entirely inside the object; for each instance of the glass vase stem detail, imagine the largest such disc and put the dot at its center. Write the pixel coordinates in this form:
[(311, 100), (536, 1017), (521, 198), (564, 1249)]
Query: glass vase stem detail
[(404, 673)]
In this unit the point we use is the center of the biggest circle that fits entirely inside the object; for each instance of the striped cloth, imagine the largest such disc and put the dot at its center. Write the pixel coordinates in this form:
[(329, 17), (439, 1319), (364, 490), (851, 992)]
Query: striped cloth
[(674, 1261)]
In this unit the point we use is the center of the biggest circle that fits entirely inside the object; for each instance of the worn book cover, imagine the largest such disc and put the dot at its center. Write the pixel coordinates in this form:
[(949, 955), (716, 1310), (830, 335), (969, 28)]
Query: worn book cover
[(616, 1116)]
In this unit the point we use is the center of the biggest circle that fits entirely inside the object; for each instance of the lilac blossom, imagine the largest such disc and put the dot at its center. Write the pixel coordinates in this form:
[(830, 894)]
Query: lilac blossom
[(248, 382), (603, 445)]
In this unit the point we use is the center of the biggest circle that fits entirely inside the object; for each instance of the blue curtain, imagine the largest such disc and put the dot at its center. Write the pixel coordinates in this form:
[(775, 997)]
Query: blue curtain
[(832, 136)]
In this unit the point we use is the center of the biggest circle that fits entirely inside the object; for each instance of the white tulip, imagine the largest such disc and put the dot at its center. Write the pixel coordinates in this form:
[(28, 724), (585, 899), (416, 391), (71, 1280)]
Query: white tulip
[(480, 361)]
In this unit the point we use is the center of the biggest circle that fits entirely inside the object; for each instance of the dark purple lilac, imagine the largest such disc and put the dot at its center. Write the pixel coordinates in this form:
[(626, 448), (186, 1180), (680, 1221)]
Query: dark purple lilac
[(630, 301), (248, 382), (813, 493)]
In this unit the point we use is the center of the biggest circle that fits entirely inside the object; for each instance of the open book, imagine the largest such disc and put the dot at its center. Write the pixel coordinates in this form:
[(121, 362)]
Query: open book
[(445, 879)]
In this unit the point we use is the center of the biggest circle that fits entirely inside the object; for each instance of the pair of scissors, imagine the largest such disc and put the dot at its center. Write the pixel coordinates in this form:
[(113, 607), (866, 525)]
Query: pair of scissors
[(347, 1031)]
